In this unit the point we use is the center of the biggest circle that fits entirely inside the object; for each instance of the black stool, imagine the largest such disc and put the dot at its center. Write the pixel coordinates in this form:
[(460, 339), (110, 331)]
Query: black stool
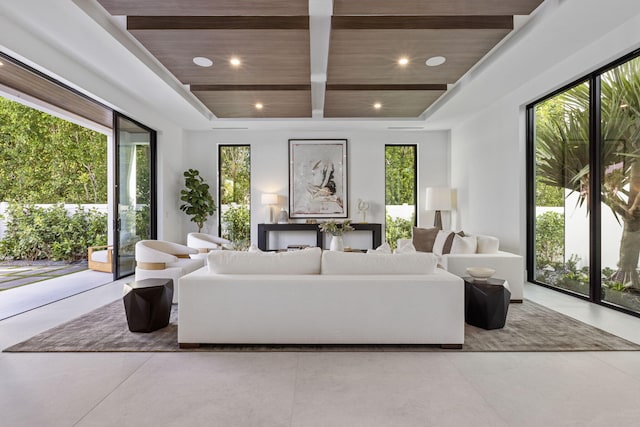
[(147, 304), (486, 303)]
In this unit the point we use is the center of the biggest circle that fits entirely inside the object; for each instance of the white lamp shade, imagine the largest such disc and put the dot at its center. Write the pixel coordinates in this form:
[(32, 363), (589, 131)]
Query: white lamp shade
[(269, 199), (439, 199)]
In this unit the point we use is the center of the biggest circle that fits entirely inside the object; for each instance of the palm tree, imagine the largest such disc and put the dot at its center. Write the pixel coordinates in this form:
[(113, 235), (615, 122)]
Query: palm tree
[(562, 153)]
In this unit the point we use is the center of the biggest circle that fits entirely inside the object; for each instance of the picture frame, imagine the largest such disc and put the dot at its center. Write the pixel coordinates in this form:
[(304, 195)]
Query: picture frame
[(318, 172)]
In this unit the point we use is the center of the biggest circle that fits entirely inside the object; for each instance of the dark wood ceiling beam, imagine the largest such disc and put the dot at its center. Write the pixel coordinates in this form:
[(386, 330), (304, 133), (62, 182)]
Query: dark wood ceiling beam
[(211, 88), (217, 22), (387, 87), (422, 22)]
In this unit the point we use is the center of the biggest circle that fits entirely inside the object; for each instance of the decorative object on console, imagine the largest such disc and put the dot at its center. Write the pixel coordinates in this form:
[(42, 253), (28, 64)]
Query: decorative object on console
[(269, 200), (439, 199), (283, 217), (318, 178), (198, 202), (336, 230), (481, 273), (363, 207)]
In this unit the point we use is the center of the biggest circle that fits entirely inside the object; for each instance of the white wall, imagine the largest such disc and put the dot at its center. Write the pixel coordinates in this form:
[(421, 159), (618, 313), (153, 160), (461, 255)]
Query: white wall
[(488, 148), (270, 171)]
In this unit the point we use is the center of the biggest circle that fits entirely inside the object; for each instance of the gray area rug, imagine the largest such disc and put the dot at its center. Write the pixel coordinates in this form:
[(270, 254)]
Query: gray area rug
[(530, 327)]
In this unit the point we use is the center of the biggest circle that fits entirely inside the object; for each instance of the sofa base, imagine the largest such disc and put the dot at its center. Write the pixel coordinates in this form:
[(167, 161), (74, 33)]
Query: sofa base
[(191, 346)]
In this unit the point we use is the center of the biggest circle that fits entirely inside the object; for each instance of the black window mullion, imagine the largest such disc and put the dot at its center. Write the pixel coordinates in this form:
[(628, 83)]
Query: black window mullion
[(595, 184)]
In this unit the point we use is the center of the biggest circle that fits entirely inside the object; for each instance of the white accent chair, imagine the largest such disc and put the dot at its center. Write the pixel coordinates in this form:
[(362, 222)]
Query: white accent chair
[(204, 243), (157, 259)]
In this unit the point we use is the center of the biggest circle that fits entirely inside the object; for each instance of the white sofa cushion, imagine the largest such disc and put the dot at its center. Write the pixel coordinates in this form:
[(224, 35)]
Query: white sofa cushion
[(335, 262), (405, 246), (464, 245), (306, 261), (487, 244), (382, 249)]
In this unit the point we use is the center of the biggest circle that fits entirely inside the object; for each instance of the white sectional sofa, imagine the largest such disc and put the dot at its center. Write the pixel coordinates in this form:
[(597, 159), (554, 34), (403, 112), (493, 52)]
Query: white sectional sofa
[(463, 251), (315, 297)]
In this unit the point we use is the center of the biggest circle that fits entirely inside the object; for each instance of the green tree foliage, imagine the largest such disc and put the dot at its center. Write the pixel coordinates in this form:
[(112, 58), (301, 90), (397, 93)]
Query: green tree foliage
[(237, 225), (562, 152), (549, 239), (400, 173), (44, 159), (198, 202), (35, 233), (398, 228), (235, 172)]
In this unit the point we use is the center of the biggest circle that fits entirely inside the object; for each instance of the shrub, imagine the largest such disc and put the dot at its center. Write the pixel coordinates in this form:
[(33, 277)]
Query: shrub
[(397, 228), (236, 222), (36, 233), (549, 239)]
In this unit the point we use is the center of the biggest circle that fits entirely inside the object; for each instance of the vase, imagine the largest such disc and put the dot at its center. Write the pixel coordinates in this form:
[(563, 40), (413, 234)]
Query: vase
[(337, 244)]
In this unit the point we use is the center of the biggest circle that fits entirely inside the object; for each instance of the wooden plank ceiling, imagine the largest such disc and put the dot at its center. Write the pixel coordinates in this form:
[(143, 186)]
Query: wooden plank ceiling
[(271, 40)]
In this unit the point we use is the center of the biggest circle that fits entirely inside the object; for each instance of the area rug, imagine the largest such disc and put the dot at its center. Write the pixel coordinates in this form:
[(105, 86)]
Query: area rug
[(530, 327)]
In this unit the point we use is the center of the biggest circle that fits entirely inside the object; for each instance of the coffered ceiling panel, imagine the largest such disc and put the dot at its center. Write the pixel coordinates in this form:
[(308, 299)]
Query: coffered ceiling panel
[(434, 7), (207, 7), (393, 103), (242, 103), (267, 56), (371, 56)]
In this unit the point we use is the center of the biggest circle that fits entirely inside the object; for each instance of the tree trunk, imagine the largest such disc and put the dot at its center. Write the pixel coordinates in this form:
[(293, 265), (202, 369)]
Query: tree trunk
[(629, 253)]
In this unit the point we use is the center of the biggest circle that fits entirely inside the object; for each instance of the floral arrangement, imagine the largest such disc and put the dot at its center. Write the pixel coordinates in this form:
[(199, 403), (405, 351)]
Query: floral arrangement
[(336, 228)]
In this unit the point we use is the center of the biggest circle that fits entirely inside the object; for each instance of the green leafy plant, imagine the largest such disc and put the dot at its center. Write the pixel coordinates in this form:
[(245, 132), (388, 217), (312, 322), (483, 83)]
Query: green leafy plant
[(398, 228), (549, 238), (336, 228), (37, 233), (236, 226), (198, 202)]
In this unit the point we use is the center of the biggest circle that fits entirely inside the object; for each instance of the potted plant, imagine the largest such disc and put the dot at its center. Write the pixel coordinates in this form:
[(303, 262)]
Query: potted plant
[(198, 202), (336, 229)]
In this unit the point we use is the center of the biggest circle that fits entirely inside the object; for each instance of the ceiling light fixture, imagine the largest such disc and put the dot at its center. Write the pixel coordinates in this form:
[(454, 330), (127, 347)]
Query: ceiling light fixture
[(403, 61), (434, 61), (234, 61), (377, 105), (259, 105), (201, 61)]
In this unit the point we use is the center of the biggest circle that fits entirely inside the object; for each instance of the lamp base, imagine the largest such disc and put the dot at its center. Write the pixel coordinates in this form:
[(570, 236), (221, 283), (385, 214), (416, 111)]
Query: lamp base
[(437, 222)]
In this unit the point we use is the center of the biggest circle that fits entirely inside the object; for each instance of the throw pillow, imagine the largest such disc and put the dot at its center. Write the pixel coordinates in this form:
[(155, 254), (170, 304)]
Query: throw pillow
[(405, 246), (488, 244), (464, 245), (254, 248), (424, 238), (442, 245), (382, 249)]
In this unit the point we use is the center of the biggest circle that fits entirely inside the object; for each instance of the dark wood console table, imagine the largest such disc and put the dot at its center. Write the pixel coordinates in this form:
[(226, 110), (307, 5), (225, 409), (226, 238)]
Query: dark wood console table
[(264, 229)]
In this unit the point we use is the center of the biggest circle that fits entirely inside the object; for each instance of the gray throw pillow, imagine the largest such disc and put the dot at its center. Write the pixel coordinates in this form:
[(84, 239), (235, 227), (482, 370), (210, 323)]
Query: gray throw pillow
[(423, 238)]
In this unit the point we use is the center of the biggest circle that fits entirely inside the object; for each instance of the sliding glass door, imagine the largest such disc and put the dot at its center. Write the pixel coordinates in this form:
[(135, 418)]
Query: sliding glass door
[(135, 207)]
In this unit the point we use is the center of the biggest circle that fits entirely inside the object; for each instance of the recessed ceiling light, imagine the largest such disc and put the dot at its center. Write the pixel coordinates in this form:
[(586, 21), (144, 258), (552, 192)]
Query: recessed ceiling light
[(377, 106), (1, 63), (234, 61), (403, 61), (259, 105), (202, 61), (434, 61)]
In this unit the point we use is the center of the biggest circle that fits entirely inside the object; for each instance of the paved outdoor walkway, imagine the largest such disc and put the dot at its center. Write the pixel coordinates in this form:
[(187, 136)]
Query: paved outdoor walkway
[(13, 276)]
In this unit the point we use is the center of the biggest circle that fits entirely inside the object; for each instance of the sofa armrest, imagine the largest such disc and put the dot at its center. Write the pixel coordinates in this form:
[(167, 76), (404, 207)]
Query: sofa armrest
[(508, 266)]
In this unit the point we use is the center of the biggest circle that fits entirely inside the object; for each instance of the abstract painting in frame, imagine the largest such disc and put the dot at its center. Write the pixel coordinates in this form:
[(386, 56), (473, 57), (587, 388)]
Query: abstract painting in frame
[(318, 178)]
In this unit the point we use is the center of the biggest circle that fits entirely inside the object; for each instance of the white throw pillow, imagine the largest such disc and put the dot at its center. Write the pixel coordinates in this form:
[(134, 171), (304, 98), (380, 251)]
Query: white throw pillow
[(382, 249), (405, 246), (306, 261), (488, 245), (254, 248), (441, 240), (334, 262), (464, 245)]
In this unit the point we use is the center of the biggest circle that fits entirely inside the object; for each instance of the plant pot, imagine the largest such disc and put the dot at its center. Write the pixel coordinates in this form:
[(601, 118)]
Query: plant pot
[(337, 244)]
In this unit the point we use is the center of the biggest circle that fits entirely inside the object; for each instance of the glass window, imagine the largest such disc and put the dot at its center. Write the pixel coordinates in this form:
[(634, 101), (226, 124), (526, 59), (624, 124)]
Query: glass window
[(400, 192), (235, 194)]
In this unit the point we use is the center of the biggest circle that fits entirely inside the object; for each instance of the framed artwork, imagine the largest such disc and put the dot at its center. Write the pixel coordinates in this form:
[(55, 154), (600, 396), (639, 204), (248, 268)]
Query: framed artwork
[(318, 178)]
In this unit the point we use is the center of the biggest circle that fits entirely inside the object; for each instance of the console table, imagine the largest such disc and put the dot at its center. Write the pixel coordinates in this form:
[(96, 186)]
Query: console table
[(264, 229)]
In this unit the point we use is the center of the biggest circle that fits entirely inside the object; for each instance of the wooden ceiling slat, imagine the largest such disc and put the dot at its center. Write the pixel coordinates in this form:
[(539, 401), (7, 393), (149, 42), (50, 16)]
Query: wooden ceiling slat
[(386, 87), (217, 23), (241, 104), (32, 83), (267, 56), (395, 103), (206, 7), (420, 22), (434, 7), (203, 88)]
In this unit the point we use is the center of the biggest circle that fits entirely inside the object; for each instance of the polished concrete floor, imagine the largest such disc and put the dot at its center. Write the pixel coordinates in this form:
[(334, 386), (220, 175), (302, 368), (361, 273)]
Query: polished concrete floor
[(317, 389)]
